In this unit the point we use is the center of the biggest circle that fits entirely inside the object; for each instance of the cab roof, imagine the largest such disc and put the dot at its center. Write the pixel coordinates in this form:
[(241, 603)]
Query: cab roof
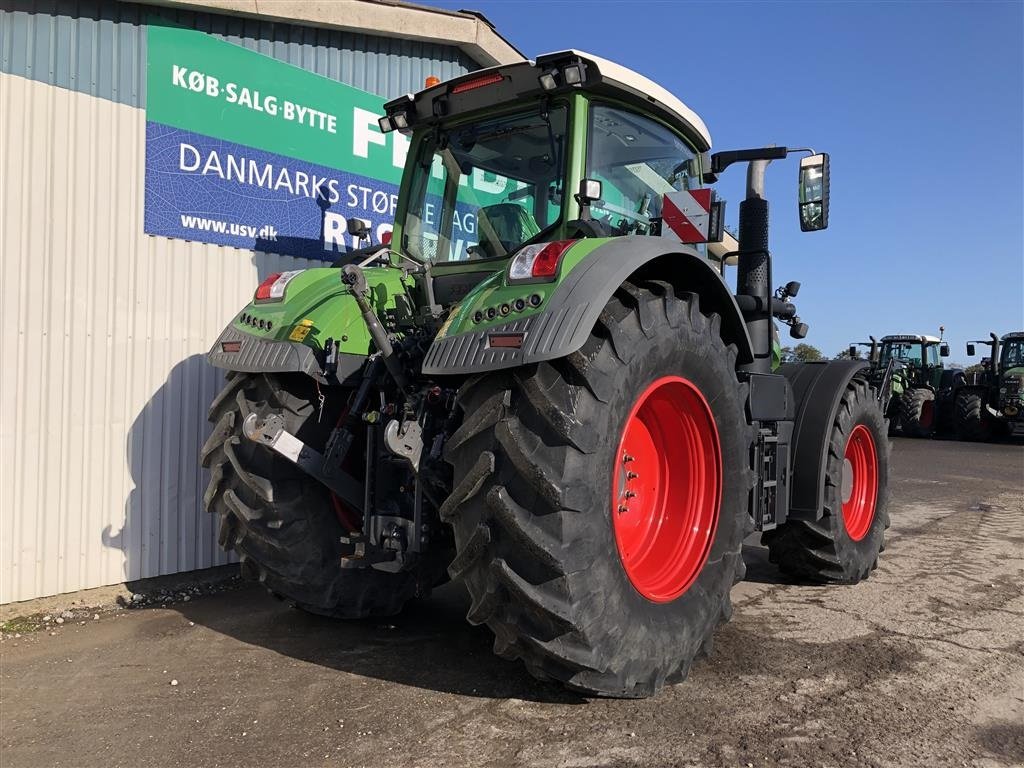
[(913, 337), (525, 80), (1014, 335)]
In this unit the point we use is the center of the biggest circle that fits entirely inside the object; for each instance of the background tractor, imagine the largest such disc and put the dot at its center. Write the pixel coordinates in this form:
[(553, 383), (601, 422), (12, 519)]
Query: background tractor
[(993, 400), (543, 388), (917, 390)]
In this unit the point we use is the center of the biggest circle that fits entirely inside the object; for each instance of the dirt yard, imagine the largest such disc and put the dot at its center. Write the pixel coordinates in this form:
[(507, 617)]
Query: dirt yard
[(922, 665)]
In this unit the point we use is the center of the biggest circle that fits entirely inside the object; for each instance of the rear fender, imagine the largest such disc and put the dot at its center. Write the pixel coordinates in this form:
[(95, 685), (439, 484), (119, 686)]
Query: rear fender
[(570, 312), (290, 335), (818, 389)]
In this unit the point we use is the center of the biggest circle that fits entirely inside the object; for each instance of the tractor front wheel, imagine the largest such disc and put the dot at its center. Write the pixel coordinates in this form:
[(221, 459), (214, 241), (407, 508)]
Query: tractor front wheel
[(917, 412), (843, 545), (972, 422), (600, 500)]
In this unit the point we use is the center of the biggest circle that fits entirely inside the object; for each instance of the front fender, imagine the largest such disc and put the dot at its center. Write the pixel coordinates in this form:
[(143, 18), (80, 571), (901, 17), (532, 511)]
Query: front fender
[(818, 389), (595, 270)]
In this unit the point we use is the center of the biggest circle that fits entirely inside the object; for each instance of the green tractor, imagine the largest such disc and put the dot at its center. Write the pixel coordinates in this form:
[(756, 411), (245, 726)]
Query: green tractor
[(993, 401), (543, 388), (918, 391)]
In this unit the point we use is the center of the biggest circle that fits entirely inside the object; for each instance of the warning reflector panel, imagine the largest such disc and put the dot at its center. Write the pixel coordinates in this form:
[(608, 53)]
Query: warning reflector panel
[(686, 215)]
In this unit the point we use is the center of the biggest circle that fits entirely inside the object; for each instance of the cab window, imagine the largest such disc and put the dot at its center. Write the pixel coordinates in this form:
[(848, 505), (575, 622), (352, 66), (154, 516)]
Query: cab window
[(483, 189), (637, 160)]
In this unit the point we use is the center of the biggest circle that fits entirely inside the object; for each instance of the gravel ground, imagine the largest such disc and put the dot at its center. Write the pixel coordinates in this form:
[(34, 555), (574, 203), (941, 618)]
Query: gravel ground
[(921, 665)]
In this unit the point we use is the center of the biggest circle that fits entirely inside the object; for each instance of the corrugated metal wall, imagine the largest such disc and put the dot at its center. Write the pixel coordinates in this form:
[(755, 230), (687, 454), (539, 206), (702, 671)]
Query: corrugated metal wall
[(103, 386), (99, 47)]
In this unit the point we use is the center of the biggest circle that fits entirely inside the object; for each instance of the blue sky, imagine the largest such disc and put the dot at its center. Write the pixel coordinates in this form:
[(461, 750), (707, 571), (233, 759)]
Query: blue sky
[(920, 105)]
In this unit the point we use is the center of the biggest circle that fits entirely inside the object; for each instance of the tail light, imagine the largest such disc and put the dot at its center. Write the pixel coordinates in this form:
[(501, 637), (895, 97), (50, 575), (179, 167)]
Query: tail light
[(272, 289), (538, 262)]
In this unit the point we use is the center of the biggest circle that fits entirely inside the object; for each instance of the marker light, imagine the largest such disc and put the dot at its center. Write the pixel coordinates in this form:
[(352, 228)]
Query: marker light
[(272, 289), (431, 81), (538, 262), (479, 82)]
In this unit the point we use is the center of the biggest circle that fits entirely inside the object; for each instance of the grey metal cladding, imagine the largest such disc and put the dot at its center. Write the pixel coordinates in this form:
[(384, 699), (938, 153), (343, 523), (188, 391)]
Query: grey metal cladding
[(98, 47), (258, 355), (545, 337)]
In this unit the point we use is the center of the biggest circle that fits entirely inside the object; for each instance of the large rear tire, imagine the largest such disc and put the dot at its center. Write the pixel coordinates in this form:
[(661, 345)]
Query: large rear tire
[(843, 546), (556, 520), (917, 412), (281, 522), (972, 423)]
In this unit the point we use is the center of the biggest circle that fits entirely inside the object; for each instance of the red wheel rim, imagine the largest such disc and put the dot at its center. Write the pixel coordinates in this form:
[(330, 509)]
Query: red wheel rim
[(666, 488), (860, 482), (927, 413)]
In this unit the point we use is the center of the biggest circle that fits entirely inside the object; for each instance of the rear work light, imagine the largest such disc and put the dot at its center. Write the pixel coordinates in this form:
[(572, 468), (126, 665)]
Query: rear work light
[(538, 262), (478, 82), (272, 289)]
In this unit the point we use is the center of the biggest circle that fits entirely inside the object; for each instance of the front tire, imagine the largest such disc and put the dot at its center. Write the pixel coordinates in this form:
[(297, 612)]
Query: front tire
[(540, 478), (917, 412), (843, 546), (972, 423)]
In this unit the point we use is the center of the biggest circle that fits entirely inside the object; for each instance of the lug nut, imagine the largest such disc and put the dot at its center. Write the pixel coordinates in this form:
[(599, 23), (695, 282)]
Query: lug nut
[(626, 458)]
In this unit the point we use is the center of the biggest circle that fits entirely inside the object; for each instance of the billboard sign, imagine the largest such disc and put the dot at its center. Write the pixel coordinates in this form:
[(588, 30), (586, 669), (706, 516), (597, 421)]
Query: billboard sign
[(246, 151)]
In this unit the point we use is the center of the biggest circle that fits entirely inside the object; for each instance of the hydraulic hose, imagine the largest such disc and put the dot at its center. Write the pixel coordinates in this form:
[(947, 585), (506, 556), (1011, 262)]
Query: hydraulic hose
[(353, 278)]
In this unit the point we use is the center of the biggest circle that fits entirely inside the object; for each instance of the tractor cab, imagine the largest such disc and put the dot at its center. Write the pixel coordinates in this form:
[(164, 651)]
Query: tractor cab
[(567, 147), (918, 356)]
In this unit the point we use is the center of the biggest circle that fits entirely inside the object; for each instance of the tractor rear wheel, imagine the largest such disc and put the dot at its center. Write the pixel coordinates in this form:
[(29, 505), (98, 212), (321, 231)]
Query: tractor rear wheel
[(917, 412), (282, 523), (600, 500), (843, 545), (972, 423)]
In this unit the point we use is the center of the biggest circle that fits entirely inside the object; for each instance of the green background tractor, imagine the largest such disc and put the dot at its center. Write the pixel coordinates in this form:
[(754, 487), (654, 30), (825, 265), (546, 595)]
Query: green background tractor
[(544, 389), (920, 388), (993, 401)]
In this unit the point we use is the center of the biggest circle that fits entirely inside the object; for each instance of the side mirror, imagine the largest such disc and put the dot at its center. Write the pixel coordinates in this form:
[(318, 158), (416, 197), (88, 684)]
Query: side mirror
[(358, 228), (813, 193), (944, 350), (970, 350), (853, 351)]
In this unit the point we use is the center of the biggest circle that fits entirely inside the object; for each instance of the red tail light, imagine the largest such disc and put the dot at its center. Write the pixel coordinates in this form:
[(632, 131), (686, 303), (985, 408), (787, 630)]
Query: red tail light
[(538, 262), (263, 292), (272, 289)]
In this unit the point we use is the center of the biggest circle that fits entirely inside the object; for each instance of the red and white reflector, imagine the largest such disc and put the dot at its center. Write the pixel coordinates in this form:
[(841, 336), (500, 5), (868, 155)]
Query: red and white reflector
[(272, 289), (686, 215)]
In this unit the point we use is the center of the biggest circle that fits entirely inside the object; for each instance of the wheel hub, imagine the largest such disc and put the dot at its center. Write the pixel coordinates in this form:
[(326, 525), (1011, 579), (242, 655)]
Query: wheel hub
[(860, 482), (666, 493)]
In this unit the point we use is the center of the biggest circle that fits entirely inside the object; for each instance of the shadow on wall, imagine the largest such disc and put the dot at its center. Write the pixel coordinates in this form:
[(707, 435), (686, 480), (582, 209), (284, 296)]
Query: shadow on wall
[(165, 528)]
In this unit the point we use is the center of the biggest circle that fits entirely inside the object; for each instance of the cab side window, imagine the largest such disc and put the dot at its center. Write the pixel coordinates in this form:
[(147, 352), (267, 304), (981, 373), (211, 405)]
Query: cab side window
[(637, 160)]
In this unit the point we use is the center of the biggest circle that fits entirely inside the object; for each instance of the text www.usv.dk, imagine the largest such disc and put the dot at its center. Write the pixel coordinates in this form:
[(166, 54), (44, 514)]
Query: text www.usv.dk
[(266, 232)]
